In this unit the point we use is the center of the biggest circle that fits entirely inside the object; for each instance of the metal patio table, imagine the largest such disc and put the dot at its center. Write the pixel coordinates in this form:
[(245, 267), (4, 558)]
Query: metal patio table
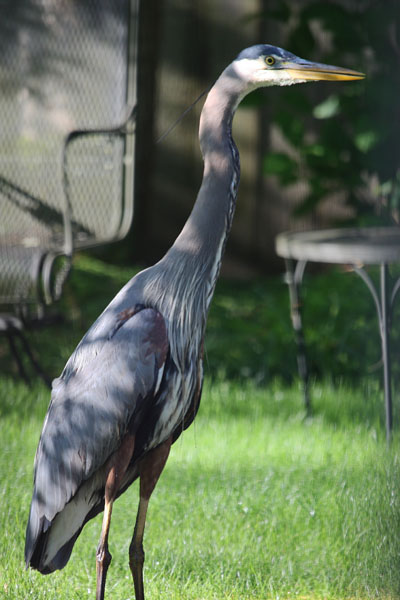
[(356, 247)]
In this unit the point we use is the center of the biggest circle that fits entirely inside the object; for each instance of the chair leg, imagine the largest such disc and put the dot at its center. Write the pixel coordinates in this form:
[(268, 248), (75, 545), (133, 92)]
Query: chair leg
[(33, 360), (15, 353), (13, 333)]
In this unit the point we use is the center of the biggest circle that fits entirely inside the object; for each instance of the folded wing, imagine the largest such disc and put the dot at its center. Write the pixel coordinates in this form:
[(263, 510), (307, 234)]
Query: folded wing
[(105, 392)]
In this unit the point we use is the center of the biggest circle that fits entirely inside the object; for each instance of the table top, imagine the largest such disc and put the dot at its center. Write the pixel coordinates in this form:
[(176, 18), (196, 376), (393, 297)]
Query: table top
[(366, 245)]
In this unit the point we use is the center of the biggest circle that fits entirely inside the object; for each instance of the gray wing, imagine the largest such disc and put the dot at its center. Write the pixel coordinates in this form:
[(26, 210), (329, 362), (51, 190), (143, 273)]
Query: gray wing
[(103, 392)]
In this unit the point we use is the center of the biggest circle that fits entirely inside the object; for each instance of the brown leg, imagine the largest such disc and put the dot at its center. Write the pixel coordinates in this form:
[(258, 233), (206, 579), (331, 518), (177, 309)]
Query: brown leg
[(116, 470), (150, 470)]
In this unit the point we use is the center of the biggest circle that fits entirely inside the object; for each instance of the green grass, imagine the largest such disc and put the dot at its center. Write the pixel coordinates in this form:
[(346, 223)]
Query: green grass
[(256, 501)]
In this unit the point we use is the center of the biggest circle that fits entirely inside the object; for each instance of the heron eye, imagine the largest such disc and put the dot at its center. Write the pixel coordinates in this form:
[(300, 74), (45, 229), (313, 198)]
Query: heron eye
[(270, 60)]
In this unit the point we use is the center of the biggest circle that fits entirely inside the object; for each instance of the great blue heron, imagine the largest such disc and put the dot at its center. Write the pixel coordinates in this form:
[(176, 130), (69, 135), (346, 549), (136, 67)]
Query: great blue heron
[(134, 382)]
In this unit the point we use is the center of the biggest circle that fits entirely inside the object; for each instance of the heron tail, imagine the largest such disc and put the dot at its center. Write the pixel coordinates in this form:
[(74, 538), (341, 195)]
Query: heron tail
[(41, 552)]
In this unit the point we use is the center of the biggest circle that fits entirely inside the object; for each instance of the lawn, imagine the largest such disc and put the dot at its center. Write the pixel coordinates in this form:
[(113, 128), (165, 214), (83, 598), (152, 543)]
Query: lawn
[(256, 501)]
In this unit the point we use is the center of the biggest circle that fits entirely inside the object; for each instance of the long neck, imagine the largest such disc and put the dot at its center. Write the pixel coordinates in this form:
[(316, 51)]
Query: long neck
[(181, 285), (202, 239)]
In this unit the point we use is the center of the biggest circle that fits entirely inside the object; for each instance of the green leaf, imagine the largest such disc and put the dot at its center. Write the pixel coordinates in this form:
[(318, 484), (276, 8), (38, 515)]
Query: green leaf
[(281, 165), (292, 127), (328, 108), (307, 205), (366, 140)]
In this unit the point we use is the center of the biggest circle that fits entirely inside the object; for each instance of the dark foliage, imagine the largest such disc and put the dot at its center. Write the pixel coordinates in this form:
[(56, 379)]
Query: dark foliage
[(350, 145)]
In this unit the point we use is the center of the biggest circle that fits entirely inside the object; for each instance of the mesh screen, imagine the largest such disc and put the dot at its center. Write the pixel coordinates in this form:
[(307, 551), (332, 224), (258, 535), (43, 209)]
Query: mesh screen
[(95, 174), (63, 66)]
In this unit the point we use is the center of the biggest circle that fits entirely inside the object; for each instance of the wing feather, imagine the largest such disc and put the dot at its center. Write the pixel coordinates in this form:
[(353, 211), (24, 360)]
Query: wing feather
[(105, 390)]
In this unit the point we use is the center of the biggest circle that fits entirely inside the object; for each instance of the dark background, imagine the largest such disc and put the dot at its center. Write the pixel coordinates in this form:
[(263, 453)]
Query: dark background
[(312, 156)]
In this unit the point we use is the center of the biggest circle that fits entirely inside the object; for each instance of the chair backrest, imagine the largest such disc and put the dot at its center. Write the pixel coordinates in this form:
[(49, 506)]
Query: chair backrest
[(63, 67), (98, 165)]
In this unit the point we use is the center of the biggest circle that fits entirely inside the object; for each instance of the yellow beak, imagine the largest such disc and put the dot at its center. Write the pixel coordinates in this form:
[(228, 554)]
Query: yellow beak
[(311, 71)]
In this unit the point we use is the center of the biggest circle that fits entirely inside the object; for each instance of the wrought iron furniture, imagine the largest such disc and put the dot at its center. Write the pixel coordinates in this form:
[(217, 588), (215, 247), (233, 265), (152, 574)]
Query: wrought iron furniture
[(66, 148), (358, 247)]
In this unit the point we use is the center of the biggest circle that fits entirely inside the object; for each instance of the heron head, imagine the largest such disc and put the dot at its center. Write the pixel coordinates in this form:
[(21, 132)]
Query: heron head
[(265, 65)]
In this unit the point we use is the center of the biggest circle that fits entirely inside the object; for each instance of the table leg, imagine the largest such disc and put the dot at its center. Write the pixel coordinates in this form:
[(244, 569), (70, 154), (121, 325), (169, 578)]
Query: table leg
[(383, 308), (385, 336), (294, 277)]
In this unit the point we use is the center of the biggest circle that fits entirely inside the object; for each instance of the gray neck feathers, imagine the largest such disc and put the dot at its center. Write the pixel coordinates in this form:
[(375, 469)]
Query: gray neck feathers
[(184, 280)]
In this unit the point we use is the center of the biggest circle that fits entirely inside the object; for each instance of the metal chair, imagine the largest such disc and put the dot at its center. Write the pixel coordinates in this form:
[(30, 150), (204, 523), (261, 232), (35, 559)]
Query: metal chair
[(66, 149)]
